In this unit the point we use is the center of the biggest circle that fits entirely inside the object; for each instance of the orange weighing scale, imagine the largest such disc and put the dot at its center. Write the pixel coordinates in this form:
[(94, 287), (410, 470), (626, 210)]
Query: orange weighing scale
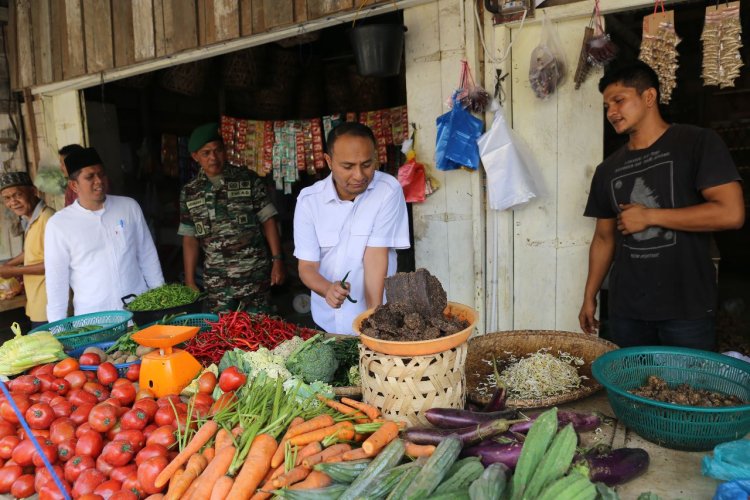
[(166, 370)]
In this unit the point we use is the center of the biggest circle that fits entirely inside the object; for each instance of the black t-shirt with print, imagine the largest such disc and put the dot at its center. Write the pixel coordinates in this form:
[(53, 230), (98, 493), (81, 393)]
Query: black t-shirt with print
[(659, 273)]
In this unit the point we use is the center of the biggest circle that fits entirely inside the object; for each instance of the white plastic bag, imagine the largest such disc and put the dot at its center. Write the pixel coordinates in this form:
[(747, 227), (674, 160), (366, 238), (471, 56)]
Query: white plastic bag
[(509, 179), (547, 63)]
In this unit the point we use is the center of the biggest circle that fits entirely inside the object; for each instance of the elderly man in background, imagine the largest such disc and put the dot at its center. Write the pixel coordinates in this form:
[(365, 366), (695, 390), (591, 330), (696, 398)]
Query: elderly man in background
[(99, 246), (19, 195)]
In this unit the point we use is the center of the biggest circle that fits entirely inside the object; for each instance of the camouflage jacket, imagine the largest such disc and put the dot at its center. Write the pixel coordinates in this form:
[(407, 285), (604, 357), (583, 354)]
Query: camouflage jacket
[(227, 219)]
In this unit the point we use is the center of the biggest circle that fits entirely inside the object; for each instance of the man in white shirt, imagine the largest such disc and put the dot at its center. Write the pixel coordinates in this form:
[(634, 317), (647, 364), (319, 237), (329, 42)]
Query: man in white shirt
[(99, 246), (349, 225)]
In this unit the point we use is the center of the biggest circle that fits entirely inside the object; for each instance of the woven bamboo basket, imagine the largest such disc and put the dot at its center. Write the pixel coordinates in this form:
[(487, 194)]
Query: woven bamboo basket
[(405, 387), (501, 345), (187, 79)]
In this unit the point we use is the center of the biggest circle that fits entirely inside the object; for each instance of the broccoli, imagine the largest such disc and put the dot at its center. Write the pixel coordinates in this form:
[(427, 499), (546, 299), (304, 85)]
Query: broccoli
[(314, 360), (353, 376)]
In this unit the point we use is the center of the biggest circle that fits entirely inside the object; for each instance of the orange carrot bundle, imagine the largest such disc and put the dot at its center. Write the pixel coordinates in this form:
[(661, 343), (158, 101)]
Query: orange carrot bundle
[(308, 450), (418, 450), (221, 488), (369, 410), (278, 456), (209, 453), (223, 438), (331, 451), (314, 480), (217, 468), (360, 417), (293, 476), (342, 430), (254, 469), (355, 454), (380, 438), (206, 432), (180, 484)]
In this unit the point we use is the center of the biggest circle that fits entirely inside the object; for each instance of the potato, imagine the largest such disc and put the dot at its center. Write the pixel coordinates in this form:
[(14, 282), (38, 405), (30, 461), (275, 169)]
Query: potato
[(131, 358), (100, 352), (143, 350)]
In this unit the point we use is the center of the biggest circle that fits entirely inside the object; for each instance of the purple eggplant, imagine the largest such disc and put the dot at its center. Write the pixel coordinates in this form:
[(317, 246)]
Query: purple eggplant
[(581, 421), (468, 435), (452, 418), (497, 402), (614, 467), (491, 452)]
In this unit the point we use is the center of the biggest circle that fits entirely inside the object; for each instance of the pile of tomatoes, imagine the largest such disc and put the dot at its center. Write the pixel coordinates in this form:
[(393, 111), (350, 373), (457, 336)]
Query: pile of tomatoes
[(105, 438)]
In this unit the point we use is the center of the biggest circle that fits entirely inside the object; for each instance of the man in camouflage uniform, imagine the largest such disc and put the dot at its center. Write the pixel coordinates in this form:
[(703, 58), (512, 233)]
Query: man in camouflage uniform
[(227, 212)]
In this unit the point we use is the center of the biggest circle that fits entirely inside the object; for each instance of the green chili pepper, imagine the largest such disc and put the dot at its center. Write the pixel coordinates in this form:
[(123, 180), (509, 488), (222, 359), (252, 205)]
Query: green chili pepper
[(164, 297), (346, 285)]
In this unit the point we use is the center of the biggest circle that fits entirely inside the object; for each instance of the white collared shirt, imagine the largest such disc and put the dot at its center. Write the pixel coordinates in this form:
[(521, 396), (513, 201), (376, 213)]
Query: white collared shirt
[(102, 255), (335, 233)]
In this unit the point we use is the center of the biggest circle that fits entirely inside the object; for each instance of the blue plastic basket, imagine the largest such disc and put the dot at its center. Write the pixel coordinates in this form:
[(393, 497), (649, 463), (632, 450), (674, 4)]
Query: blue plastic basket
[(122, 368), (199, 320), (113, 323), (680, 427)]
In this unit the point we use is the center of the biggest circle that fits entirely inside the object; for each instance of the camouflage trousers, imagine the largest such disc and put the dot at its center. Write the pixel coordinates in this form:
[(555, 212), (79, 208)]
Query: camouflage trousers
[(250, 292)]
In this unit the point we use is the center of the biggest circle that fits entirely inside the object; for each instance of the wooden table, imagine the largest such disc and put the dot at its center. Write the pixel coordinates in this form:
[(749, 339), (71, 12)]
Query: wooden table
[(671, 474), (13, 303)]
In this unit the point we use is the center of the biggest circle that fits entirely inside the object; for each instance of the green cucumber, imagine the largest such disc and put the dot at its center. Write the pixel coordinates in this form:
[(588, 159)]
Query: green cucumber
[(490, 484), (388, 480), (555, 463), (388, 458), (466, 474), (343, 472), (398, 492), (435, 469), (328, 493), (534, 446), (574, 486), (451, 495)]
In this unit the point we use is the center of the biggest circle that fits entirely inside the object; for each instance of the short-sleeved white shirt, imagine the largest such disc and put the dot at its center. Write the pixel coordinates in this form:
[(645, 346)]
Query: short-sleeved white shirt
[(335, 233)]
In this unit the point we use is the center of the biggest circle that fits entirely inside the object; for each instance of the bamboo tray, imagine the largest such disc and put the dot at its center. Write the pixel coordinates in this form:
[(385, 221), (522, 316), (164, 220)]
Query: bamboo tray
[(522, 342)]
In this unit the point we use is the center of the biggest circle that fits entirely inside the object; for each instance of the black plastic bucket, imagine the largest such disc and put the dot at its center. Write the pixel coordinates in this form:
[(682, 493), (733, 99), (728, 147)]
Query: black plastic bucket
[(378, 48)]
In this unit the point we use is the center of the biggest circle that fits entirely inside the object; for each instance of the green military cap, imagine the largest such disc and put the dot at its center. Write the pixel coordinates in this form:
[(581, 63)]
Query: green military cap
[(10, 179), (208, 132)]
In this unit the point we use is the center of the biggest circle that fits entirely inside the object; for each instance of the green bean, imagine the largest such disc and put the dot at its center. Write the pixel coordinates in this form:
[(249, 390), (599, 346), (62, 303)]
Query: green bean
[(164, 297)]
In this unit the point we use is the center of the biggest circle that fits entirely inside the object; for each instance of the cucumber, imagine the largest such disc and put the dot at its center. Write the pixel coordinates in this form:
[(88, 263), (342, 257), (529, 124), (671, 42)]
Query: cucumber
[(435, 469), (460, 463), (534, 446), (328, 493), (571, 487), (490, 484), (555, 463), (387, 480), (469, 471), (451, 495), (398, 492), (343, 472), (388, 458)]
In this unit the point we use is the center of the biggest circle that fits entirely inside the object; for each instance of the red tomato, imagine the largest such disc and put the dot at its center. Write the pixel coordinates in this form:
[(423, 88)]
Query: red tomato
[(201, 411), (165, 400), (124, 495), (134, 419), (125, 392), (23, 486), (118, 452), (90, 443), (42, 369), (87, 482), (23, 453), (39, 433), (46, 381), (83, 428), (147, 405), (81, 414), (76, 465), (40, 416), (50, 451), (133, 373), (61, 386), (76, 379), (106, 373), (114, 431), (78, 396), (108, 488), (7, 444), (164, 416), (113, 401), (149, 429), (66, 450), (25, 384), (144, 392), (61, 430), (98, 390), (135, 437), (90, 375), (7, 429), (206, 383), (164, 436), (35, 398), (203, 399), (152, 450), (47, 396), (134, 486), (89, 359), (124, 472), (147, 472), (6, 410), (42, 477), (231, 379), (8, 476), (120, 381), (61, 406), (104, 466), (64, 367), (103, 417), (225, 400), (50, 491)]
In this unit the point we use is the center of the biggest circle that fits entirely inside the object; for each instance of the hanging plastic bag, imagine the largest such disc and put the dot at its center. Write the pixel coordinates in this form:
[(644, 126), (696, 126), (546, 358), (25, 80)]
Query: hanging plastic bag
[(441, 144), (457, 134), (547, 65), (659, 48), (509, 181), (9, 288), (411, 176)]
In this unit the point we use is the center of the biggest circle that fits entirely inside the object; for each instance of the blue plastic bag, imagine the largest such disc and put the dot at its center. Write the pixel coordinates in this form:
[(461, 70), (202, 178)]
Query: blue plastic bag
[(457, 134), (730, 461), (441, 144), (733, 490)]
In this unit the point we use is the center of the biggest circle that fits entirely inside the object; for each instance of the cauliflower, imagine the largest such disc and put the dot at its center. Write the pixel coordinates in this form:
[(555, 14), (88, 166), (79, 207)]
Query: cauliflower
[(264, 360), (354, 377), (314, 360), (286, 348), (306, 392)]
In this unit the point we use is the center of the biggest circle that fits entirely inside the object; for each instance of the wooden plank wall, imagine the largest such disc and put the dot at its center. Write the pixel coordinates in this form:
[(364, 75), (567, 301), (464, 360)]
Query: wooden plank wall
[(55, 40)]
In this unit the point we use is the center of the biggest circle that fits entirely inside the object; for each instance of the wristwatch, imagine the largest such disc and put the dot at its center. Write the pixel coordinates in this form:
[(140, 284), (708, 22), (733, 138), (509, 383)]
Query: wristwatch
[(278, 256)]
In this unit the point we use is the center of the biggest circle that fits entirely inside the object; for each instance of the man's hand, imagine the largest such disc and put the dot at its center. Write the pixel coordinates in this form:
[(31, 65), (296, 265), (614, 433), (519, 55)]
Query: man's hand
[(6, 272), (278, 272), (632, 219), (589, 324), (336, 295)]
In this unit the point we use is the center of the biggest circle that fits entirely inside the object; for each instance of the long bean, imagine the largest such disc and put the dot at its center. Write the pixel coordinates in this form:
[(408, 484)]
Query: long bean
[(164, 297)]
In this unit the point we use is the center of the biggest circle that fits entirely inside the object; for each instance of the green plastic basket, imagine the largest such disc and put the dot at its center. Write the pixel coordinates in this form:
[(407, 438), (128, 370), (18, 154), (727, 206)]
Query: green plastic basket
[(676, 426), (199, 320), (114, 324)]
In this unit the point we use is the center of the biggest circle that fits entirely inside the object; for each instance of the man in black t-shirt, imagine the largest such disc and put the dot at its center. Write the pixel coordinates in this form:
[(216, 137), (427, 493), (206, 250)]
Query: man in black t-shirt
[(656, 201)]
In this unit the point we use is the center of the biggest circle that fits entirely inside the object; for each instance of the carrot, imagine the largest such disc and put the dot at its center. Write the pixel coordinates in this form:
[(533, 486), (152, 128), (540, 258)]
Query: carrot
[(360, 417), (155, 496), (179, 486), (359, 438), (293, 476), (331, 451), (334, 459), (254, 469), (237, 430), (380, 438), (401, 424), (209, 453), (308, 450), (419, 450), (320, 434), (315, 479), (278, 457), (281, 469), (369, 410), (355, 454), (221, 488), (223, 438), (200, 438), (217, 468), (318, 422), (261, 495), (173, 480)]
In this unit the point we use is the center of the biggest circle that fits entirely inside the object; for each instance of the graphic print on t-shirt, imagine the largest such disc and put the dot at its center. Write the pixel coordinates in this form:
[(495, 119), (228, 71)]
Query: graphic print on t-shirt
[(650, 185)]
